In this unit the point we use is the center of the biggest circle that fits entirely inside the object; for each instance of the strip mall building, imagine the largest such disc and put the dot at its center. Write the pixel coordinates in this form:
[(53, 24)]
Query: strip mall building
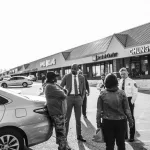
[(130, 49)]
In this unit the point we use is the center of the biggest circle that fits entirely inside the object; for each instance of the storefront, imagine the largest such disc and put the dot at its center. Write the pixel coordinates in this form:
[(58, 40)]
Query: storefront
[(102, 56)]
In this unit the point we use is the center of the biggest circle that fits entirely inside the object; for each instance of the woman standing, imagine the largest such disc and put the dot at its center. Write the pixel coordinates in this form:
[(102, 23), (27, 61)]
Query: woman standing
[(113, 108), (56, 104)]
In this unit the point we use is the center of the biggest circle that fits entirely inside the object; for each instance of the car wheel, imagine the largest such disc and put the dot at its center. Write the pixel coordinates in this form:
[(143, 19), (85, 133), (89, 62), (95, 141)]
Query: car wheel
[(11, 139), (24, 84), (4, 85)]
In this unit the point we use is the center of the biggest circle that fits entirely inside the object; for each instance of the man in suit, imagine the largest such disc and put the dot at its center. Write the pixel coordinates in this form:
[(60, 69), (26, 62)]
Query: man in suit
[(75, 85), (84, 106)]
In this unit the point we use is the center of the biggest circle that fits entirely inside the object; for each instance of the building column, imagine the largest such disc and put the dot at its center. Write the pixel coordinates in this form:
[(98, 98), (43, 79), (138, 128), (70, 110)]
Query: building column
[(114, 65), (148, 64), (62, 72), (84, 69)]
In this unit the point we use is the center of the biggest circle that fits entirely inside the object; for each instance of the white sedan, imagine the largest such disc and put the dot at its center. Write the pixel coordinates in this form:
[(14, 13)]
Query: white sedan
[(16, 81), (24, 120)]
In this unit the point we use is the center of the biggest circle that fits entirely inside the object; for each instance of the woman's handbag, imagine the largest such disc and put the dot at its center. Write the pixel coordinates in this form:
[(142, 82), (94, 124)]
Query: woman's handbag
[(98, 137)]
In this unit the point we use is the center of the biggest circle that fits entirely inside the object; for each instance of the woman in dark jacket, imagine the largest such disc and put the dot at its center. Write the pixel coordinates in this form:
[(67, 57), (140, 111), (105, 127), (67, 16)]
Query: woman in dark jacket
[(113, 108), (56, 104)]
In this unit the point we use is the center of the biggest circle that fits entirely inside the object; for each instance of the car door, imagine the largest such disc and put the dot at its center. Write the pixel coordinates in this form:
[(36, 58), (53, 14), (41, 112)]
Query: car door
[(3, 101), (19, 81), (12, 81)]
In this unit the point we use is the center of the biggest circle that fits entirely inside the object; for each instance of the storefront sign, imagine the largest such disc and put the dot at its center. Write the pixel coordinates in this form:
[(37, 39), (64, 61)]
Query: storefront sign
[(43, 64), (50, 62), (140, 50), (47, 63), (109, 55)]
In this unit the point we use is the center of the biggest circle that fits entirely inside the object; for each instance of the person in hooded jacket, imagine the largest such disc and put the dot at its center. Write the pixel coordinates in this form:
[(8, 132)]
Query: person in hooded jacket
[(113, 108)]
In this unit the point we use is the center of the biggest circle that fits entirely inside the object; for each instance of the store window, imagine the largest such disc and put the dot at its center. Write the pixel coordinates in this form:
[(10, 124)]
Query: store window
[(144, 65), (108, 67), (135, 67), (102, 68), (96, 70), (67, 71)]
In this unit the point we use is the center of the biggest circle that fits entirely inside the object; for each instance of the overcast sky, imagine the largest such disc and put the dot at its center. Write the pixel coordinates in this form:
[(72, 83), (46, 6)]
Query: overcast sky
[(33, 29)]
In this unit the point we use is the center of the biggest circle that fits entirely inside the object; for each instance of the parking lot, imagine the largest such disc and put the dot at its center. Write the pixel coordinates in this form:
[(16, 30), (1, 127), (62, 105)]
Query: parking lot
[(142, 107)]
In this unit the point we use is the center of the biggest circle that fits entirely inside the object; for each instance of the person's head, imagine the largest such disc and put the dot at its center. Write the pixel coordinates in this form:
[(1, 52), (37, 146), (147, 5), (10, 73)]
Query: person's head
[(80, 72), (43, 74), (123, 73), (103, 76), (74, 69), (51, 77), (111, 81)]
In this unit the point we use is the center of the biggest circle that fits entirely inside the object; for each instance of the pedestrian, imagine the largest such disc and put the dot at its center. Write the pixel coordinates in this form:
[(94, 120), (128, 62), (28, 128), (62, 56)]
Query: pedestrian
[(84, 106), (43, 78), (131, 90), (42, 89), (113, 108), (100, 85), (75, 84), (56, 104)]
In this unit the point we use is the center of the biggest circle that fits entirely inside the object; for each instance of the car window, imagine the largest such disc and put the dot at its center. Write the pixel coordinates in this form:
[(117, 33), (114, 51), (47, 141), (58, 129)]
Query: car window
[(20, 78), (14, 78), (3, 101)]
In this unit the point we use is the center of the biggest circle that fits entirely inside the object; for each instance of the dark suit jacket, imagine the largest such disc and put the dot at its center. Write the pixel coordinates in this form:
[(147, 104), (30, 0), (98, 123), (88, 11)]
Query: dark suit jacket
[(67, 82)]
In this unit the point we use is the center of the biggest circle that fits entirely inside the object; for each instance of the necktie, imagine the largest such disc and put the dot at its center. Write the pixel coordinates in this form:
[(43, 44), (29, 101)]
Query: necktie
[(75, 86), (123, 84)]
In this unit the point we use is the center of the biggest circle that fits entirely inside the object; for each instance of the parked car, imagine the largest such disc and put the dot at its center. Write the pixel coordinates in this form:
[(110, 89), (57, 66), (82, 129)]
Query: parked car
[(6, 77), (16, 81), (23, 121), (32, 77)]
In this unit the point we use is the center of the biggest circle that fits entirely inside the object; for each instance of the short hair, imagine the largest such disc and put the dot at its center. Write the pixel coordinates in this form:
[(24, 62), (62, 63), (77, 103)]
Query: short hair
[(74, 65), (123, 69), (111, 81)]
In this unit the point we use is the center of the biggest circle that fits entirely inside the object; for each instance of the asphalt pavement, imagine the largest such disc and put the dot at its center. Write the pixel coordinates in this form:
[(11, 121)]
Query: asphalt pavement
[(142, 117)]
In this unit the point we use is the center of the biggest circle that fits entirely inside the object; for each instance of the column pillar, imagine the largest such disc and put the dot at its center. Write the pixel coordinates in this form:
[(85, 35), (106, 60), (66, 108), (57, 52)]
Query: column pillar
[(62, 72), (84, 69)]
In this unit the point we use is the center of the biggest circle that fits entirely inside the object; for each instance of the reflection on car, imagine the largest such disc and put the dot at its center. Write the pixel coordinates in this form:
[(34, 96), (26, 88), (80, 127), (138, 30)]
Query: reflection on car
[(16, 81), (23, 121)]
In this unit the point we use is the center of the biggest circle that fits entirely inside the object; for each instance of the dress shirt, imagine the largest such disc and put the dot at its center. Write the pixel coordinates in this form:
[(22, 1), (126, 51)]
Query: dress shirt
[(130, 88), (77, 79)]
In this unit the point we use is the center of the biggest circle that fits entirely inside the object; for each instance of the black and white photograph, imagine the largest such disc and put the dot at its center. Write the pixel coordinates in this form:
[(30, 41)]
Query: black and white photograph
[(75, 75)]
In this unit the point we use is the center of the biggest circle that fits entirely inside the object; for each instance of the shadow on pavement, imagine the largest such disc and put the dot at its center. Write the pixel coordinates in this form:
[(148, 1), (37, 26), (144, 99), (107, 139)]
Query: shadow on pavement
[(144, 91), (28, 148), (138, 145), (88, 132)]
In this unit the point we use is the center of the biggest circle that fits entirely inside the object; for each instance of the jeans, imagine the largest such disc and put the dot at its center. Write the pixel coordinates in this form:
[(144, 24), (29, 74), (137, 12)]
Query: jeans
[(114, 130)]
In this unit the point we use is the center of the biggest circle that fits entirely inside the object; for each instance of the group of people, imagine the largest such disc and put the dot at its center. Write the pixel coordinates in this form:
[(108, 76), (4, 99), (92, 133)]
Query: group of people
[(114, 106)]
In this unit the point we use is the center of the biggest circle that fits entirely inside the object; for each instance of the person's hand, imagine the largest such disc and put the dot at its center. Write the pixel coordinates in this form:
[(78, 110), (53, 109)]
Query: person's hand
[(132, 101), (131, 124), (66, 91), (87, 93), (98, 129)]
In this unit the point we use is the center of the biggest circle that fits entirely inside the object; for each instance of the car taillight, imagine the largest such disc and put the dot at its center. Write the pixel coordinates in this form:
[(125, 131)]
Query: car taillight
[(41, 111)]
